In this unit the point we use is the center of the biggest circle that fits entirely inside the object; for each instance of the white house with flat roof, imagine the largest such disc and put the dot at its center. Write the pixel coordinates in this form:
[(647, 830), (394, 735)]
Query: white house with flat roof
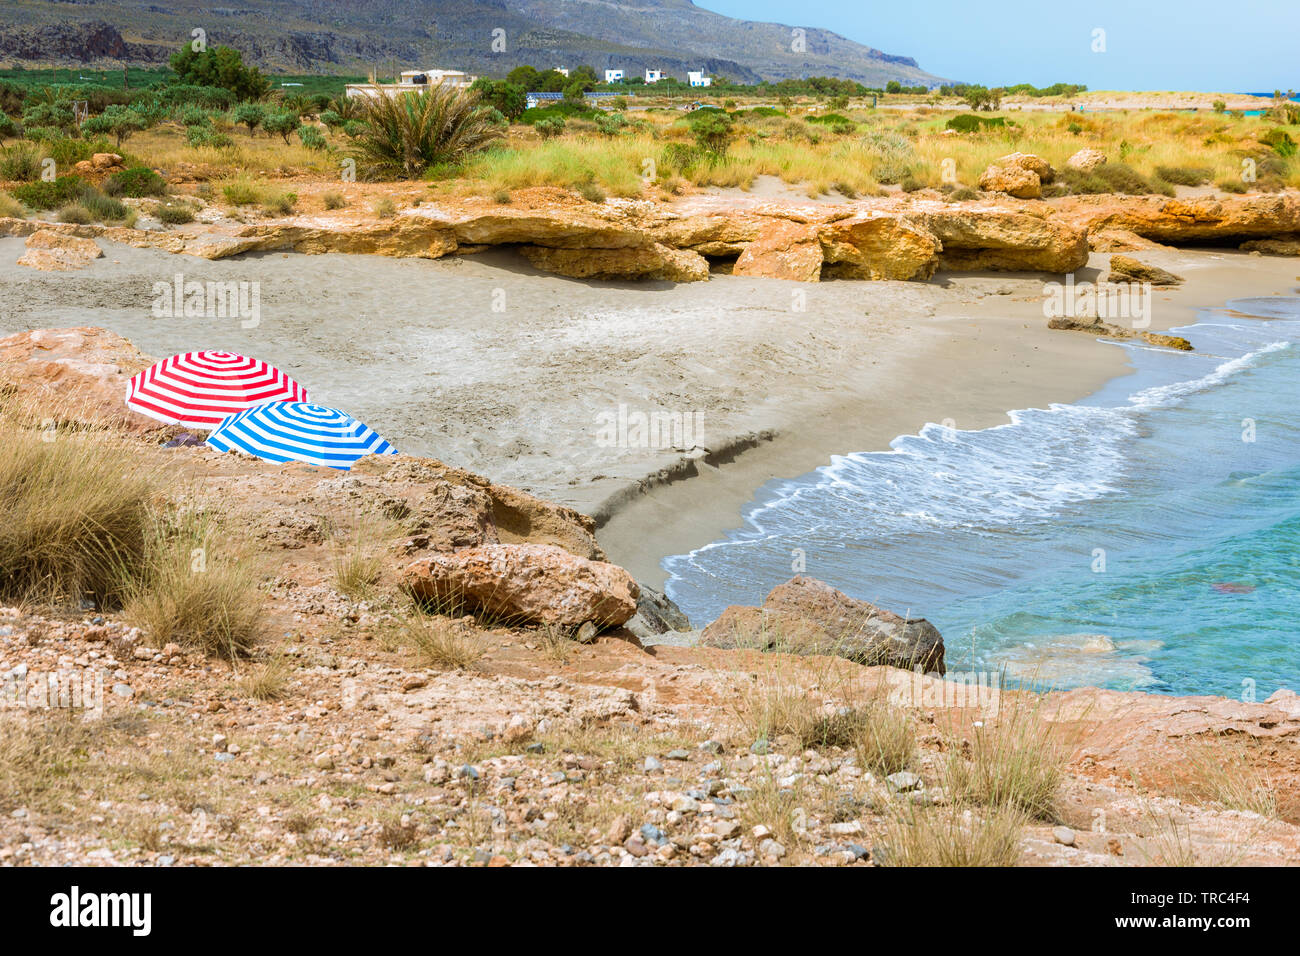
[(654, 76), (413, 81), (697, 78), (562, 70), (613, 76)]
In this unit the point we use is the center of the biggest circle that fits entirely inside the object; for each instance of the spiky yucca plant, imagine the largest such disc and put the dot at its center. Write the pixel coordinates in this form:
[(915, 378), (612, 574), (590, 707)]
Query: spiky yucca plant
[(408, 133)]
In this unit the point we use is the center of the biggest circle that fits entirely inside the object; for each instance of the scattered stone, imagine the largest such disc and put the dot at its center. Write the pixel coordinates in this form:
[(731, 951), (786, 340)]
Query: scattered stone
[(903, 781), (1124, 269), (1063, 836), (1086, 160)]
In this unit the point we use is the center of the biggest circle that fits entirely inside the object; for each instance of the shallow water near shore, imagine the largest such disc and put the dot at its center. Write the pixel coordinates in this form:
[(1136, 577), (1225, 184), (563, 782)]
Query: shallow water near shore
[(1145, 538)]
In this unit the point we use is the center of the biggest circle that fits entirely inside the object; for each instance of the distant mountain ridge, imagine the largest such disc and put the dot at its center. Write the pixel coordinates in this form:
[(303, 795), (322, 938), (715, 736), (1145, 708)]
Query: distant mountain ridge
[(353, 36)]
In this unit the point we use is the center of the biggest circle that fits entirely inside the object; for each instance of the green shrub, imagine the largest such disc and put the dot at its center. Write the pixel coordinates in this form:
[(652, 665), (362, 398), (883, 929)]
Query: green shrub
[(1280, 141), (562, 109), (240, 193), (550, 128), (173, 213), (681, 158), (354, 128), (20, 163), (284, 123), (280, 204), (712, 130), (75, 213), (68, 152), (1111, 178), (136, 182), (311, 137), (49, 195), (611, 124), (198, 136), (1232, 186), (248, 114), (970, 123), (331, 119), (117, 121), (102, 208), (194, 116), (409, 133), (1185, 175)]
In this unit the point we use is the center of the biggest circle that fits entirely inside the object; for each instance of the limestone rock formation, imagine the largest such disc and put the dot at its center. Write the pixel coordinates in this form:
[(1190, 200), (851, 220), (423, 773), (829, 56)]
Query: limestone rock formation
[(1095, 326), (76, 375), (1086, 160), (526, 583), (52, 251), (652, 261), (1128, 269), (1012, 180), (1007, 239), (806, 616)]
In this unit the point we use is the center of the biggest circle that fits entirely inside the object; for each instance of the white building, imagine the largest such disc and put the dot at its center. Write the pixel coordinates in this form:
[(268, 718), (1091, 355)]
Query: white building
[(562, 70), (697, 78), (613, 76), (654, 76), (413, 81)]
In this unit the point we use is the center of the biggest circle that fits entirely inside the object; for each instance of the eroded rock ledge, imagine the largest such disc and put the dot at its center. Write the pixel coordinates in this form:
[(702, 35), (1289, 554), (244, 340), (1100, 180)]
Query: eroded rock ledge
[(879, 238)]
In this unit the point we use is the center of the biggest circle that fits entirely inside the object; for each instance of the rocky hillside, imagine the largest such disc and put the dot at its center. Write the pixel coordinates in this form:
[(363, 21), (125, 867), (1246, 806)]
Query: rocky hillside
[(333, 36)]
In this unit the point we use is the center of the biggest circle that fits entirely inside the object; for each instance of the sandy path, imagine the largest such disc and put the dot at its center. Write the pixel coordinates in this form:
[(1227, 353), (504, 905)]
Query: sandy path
[(486, 364)]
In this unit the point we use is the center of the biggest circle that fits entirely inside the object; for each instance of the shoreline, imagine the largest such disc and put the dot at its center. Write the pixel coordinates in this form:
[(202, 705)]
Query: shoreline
[(679, 516)]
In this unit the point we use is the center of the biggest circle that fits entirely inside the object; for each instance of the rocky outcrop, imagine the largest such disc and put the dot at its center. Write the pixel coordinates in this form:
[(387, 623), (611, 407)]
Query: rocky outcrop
[(1006, 239), (880, 247), (656, 614), (806, 616), (654, 261), (525, 584), (1194, 220), (1012, 180), (1285, 246), (1128, 269), (1095, 326), (783, 250), (76, 376), (1086, 160), (1035, 164), (52, 251)]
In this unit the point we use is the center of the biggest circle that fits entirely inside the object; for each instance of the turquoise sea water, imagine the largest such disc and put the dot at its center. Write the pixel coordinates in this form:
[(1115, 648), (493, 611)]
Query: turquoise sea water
[(1146, 538)]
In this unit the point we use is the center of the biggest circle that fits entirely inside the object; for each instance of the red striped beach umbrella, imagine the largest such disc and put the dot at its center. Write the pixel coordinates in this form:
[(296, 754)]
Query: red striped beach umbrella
[(200, 389)]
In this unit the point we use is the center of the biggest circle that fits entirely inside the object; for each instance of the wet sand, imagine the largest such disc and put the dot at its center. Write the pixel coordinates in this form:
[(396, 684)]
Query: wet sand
[(485, 363)]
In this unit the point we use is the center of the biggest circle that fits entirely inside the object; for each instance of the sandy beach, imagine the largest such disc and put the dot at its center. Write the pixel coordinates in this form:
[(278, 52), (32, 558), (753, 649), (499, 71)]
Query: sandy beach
[(487, 364)]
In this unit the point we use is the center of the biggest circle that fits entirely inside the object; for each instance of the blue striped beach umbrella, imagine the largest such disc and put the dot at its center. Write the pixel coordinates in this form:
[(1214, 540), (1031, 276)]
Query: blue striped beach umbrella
[(298, 431)]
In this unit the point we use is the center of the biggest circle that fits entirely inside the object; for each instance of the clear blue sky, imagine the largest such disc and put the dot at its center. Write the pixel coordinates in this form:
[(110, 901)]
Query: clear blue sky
[(1219, 45)]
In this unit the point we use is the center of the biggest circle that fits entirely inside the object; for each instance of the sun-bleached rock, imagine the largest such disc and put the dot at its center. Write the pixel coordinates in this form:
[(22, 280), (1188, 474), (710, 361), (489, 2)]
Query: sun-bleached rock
[(1128, 269), (806, 616), (1086, 160), (1013, 180), (526, 583), (652, 261), (783, 250), (1035, 164), (76, 375), (53, 251), (879, 247)]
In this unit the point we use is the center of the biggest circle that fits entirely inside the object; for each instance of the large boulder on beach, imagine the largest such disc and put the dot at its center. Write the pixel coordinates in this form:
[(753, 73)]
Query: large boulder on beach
[(878, 247), (525, 584), (1012, 180), (783, 250), (807, 616), (49, 250), (1007, 239)]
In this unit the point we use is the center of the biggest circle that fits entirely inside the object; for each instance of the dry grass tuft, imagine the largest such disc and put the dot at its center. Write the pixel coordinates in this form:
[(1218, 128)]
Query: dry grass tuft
[(1015, 762), (953, 836), (192, 589), (266, 681), (74, 509), (442, 643), (40, 755)]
